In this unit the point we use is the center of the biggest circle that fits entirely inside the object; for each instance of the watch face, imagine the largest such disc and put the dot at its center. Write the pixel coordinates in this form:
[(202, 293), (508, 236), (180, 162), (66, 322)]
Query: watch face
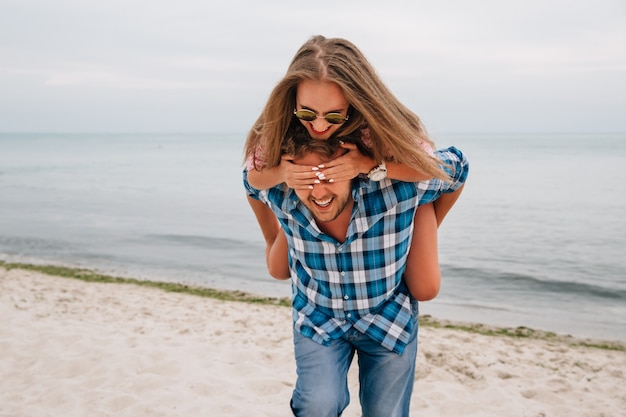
[(378, 174)]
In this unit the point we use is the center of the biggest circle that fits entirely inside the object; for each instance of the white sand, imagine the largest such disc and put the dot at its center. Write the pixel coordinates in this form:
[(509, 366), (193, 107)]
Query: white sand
[(70, 348)]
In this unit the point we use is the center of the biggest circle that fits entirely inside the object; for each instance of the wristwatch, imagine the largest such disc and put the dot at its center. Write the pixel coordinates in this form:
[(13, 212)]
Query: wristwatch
[(378, 173)]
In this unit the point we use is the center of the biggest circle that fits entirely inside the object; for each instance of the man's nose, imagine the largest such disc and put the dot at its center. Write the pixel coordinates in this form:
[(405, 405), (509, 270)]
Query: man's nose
[(319, 190)]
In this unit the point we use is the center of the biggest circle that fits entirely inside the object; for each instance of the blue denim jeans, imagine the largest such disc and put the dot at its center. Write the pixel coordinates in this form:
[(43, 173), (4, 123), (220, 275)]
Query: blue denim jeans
[(385, 378)]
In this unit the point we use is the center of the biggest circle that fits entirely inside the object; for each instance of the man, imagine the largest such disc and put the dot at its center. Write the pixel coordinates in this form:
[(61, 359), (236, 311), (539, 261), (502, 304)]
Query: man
[(348, 243)]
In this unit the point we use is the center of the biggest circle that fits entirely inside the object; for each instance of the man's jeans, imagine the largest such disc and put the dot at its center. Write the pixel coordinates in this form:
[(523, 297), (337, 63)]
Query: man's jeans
[(386, 378)]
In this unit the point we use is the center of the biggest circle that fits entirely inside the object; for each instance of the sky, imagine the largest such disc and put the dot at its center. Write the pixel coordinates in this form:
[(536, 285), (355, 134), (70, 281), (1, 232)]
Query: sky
[(553, 66)]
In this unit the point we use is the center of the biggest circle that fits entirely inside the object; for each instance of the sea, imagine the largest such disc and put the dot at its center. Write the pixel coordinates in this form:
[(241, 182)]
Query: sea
[(537, 239)]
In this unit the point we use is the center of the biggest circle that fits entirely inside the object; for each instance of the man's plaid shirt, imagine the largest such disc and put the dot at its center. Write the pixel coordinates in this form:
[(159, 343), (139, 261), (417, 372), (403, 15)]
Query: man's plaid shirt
[(358, 283)]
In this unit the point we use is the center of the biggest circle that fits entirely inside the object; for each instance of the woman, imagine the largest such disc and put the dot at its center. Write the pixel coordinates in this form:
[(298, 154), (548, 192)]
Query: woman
[(332, 90)]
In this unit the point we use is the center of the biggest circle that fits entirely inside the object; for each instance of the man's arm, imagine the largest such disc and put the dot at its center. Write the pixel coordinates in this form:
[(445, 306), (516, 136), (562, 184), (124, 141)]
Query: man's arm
[(444, 203), (277, 257), (422, 275), (276, 250)]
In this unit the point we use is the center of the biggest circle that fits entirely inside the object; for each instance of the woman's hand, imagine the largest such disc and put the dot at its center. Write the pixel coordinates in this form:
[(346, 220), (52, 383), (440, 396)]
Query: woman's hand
[(298, 177), (347, 166)]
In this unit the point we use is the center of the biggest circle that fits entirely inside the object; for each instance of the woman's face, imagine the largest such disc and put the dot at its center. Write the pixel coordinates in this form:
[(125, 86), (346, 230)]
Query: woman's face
[(321, 97)]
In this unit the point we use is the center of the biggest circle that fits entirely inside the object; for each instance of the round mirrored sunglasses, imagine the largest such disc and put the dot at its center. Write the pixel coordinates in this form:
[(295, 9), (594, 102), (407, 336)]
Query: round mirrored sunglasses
[(332, 118)]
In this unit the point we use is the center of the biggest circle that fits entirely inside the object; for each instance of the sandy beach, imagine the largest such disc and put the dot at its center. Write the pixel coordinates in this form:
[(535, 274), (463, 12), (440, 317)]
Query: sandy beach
[(71, 348)]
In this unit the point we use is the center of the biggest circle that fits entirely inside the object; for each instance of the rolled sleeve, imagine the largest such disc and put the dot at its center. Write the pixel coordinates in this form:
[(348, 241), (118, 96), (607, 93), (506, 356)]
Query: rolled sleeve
[(455, 164), (250, 191)]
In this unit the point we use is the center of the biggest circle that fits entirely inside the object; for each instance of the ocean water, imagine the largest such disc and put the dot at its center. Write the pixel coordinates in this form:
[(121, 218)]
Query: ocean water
[(537, 239)]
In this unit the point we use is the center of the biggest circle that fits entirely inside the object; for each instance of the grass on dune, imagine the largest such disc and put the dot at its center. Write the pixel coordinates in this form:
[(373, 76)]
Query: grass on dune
[(93, 276), (241, 296)]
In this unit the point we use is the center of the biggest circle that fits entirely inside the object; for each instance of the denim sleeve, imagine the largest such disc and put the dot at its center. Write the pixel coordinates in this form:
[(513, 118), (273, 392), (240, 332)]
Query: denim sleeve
[(455, 164)]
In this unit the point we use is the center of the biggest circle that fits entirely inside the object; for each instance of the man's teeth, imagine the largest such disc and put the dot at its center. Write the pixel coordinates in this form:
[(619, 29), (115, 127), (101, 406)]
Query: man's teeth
[(323, 203)]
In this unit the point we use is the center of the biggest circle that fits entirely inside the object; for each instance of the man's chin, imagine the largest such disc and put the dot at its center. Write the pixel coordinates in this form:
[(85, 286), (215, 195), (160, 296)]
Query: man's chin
[(324, 216)]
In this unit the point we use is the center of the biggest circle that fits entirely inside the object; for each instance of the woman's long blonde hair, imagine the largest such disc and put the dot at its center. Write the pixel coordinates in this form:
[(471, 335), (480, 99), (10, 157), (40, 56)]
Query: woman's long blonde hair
[(394, 129)]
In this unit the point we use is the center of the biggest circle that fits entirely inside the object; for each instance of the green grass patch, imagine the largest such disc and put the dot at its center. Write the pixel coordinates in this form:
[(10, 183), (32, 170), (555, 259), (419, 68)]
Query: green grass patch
[(522, 332), (93, 276), (240, 296)]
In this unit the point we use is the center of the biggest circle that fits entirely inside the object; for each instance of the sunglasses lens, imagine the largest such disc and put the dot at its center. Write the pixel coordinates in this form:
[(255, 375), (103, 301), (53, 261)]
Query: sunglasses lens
[(335, 118), (309, 116), (306, 115)]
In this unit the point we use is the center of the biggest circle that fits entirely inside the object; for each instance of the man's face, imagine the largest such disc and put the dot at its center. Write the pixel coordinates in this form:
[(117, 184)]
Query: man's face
[(327, 200)]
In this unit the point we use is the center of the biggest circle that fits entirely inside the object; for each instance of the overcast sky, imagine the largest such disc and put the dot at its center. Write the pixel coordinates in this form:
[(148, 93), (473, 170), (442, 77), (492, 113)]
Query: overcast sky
[(208, 66)]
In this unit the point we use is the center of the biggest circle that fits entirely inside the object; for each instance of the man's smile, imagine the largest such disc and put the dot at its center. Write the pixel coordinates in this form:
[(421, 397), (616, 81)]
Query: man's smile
[(323, 203)]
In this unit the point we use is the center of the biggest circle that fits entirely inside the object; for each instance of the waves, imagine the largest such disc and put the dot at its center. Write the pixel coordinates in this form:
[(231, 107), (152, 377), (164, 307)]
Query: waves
[(511, 282), (206, 242), (530, 242), (248, 256), (244, 257)]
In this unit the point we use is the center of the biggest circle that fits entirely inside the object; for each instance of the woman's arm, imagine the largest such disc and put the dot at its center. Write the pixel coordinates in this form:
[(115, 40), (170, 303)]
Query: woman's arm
[(296, 176), (353, 163), (263, 179)]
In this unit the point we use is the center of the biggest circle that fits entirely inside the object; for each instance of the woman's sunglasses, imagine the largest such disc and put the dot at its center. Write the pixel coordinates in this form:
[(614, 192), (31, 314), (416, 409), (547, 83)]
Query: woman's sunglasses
[(332, 118)]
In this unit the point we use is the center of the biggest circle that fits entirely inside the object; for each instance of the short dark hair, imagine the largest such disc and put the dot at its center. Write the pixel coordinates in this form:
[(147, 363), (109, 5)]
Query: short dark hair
[(298, 143)]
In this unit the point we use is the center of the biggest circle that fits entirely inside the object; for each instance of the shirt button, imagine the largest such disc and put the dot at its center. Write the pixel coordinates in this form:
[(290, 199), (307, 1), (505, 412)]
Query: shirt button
[(349, 315), (345, 297), (343, 273)]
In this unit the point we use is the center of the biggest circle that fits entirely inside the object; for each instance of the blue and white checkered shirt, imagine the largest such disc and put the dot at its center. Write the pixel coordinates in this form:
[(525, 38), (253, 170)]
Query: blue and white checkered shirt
[(357, 283)]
